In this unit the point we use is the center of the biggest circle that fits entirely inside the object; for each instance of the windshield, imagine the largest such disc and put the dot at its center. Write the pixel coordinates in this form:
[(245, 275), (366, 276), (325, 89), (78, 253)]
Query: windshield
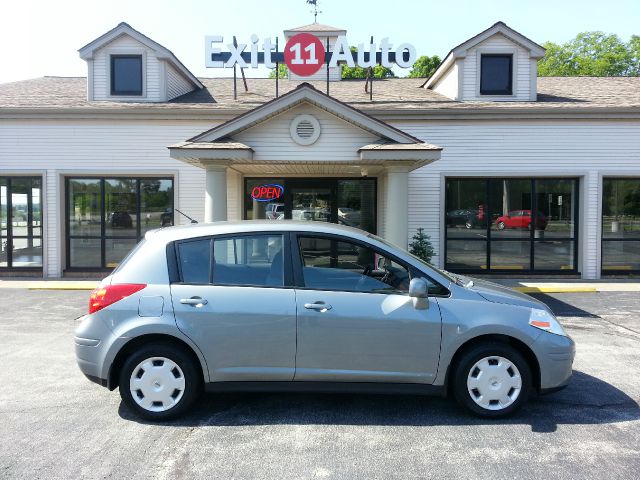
[(448, 275)]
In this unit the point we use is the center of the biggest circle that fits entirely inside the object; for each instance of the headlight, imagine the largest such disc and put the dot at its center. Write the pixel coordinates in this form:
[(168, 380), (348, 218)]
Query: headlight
[(545, 321)]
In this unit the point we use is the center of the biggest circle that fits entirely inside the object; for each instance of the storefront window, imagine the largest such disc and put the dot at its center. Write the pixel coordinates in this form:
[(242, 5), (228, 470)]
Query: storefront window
[(20, 222), (621, 225), (106, 217), (510, 224)]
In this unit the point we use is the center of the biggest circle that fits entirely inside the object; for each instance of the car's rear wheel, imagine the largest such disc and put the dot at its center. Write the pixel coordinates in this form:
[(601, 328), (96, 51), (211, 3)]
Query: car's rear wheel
[(159, 381), (492, 380), (500, 225)]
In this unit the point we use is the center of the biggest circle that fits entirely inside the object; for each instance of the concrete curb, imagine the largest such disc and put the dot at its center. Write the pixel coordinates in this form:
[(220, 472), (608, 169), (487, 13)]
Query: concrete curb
[(555, 289)]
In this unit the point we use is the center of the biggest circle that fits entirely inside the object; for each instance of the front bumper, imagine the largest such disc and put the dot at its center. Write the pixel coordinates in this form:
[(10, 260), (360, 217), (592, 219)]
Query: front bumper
[(555, 354)]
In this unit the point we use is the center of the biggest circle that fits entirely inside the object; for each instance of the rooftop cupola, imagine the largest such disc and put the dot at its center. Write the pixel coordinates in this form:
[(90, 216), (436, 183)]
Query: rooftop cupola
[(324, 33)]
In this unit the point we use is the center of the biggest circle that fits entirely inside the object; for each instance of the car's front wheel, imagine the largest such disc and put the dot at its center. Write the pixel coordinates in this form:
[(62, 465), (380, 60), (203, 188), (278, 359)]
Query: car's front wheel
[(159, 381), (492, 380)]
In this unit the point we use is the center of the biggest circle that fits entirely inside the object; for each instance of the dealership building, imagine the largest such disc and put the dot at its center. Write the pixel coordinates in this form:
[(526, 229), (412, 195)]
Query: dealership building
[(507, 172)]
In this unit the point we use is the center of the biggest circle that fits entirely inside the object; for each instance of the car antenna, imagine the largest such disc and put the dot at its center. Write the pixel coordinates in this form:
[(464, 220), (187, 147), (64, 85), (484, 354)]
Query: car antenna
[(185, 215)]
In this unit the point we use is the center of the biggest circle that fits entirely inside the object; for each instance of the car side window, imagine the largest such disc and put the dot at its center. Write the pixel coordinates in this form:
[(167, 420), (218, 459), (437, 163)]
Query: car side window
[(194, 259), (249, 260), (330, 264)]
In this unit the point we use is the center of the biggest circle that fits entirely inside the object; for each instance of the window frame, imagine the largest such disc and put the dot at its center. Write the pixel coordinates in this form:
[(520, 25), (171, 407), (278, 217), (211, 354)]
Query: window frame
[(298, 262), (103, 237), (488, 239), (9, 237), (509, 92), (175, 265), (613, 272), (125, 93)]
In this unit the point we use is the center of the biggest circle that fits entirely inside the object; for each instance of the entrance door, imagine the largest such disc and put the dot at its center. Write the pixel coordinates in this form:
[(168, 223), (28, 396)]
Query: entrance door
[(311, 201), (347, 201)]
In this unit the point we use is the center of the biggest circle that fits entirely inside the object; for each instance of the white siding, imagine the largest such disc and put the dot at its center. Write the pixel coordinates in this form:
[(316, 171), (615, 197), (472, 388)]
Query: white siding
[(152, 72), (339, 140), (448, 84), (521, 65), (177, 85), (98, 148), (583, 149)]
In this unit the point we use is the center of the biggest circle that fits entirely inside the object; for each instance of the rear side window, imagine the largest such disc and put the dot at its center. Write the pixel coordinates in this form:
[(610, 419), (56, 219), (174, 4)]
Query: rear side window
[(194, 258), (251, 260), (242, 260)]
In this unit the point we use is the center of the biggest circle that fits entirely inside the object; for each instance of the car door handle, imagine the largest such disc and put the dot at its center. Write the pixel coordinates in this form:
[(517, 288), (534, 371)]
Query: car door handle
[(194, 301), (318, 306)]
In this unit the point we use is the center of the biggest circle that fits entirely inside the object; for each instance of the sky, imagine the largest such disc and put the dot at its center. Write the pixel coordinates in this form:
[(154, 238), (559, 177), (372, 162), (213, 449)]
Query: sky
[(39, 38)]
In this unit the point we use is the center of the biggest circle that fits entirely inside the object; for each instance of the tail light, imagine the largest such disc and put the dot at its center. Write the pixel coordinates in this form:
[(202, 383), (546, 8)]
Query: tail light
[(102, 297)]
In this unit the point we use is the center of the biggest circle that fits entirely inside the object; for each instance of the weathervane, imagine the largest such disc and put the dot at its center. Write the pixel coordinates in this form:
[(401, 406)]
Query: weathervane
[(315, 9)]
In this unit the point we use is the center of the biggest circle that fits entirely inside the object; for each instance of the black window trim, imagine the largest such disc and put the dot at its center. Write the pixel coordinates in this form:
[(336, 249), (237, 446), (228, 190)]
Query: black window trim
[(509, 90), (298, 263), (575, 239), (176, 276), (125, 93), (9, 236), (613, 272), (103, 237)]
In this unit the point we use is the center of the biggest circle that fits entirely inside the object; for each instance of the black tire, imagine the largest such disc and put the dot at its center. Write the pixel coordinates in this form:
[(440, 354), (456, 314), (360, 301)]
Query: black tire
[(462, 369), (190, 371)]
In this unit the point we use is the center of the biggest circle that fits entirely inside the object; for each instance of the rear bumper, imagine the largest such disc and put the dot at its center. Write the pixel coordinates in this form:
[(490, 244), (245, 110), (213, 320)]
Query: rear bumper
[(555, 354)]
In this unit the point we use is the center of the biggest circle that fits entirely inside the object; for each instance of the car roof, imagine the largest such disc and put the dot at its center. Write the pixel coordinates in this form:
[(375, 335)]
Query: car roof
[(169, 234)]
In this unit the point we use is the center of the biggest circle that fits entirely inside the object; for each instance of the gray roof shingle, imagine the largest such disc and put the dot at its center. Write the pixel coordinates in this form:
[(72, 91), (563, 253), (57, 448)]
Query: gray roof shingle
[(402, 94)]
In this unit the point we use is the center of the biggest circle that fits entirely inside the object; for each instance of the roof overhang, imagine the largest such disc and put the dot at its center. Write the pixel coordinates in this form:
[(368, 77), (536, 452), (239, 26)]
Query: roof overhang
[(217, 147)]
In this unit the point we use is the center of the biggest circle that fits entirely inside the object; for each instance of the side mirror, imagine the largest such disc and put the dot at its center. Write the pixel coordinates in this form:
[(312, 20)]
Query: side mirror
[(418, 288)]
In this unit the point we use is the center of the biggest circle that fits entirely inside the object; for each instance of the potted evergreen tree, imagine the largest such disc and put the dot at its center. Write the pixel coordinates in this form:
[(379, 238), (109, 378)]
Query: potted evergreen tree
[(421, 246)]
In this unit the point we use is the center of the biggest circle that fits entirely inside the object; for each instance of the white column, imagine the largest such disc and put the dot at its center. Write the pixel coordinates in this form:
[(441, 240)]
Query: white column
[(590, 225), (215, 197), (397, 206)]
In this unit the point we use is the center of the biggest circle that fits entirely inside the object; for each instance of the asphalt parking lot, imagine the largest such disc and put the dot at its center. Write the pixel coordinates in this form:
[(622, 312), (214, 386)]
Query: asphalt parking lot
[(56, 424)]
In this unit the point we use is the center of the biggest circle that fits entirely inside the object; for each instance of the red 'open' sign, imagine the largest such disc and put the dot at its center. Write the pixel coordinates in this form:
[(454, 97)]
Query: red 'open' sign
[(266, 193), (304, 54)]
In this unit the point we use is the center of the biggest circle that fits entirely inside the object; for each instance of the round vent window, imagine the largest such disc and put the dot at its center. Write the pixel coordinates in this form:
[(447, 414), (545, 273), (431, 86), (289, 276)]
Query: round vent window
[(305, 129)]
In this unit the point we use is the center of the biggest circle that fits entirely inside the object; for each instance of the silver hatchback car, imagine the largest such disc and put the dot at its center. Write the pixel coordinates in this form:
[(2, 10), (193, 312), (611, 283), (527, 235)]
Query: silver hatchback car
[(314, 306)]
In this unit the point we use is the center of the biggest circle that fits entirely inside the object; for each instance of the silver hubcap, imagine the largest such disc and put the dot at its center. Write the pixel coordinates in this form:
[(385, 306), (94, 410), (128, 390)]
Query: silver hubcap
[(157, 384), (494, 383)]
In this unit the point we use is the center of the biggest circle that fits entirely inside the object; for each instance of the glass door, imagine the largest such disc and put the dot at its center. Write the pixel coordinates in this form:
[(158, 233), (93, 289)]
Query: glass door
[(347, 201), (311, 202)]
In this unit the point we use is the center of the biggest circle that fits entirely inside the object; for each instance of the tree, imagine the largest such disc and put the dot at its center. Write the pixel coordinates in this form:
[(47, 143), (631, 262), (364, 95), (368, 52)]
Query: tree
[(424, 67), (282, 71), (359, 72), (590, 53), (421, 246), (634, 48)]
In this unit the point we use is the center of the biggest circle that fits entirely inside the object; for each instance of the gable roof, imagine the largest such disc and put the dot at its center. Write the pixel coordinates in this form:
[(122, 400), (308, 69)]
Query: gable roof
[(305, 92), (460, 51), (87, 52), (316, 28), (536, 51)]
